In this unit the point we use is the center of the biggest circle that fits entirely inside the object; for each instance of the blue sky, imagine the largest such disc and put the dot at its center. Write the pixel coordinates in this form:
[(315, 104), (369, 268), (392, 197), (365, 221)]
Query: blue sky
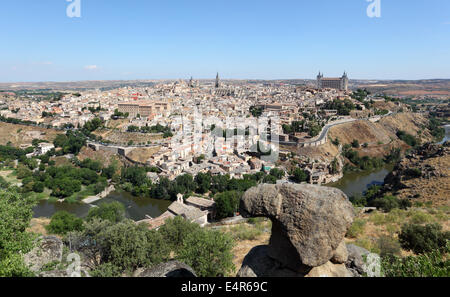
[(257, 39)]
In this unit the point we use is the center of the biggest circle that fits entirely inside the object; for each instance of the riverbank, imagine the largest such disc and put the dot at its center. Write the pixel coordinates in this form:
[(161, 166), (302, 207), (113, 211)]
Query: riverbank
[(105, 193), (136, 208), (356, 183)]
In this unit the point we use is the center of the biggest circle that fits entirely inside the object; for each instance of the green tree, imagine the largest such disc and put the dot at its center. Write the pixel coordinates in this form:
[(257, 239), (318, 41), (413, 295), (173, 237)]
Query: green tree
[(423, 239), (106, 270), (208, 253), (277, 173), (38, 187), (299, 175), (386, 203), (433, 264), (270, 179), (113, 212), (128, 246), (176, 230), (63, 222), (16, 212), (203, 181), (227, 204), (355, 143)]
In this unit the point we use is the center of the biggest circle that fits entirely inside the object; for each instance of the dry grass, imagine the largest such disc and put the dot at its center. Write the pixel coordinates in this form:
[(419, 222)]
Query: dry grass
[(118, 137), (369, 228), (37, 226), (105, 157), (435, 190), (142, 154), (21, 134), (247, 236)]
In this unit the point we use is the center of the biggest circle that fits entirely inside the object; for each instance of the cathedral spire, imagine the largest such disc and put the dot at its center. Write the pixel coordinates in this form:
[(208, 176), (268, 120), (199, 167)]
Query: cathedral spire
[(217, 80)]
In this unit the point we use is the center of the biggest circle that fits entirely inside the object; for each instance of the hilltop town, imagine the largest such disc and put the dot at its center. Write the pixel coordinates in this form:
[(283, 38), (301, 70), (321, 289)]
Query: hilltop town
[(199, 146)]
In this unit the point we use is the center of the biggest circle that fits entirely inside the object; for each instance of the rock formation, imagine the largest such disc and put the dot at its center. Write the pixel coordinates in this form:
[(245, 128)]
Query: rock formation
[(169, 269), (308, 227), (355, 262), (46, 250)]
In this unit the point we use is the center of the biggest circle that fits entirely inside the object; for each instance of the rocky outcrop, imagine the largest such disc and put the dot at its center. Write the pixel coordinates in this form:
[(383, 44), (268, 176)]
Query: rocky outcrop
[(169, 269), (413, 166), (257, 263), (340, 254), (308, 226), (355, 262), (330, 270), (46, 250)]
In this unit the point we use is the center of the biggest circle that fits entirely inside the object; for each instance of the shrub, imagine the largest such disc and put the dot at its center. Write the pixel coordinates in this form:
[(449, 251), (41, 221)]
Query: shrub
[(378, 219), (358, 200), (388, 246), (255, 221), (423, 239), (129, 246), (408, 138), (175, 230), (355, 143), (432, 264), (38, 187), (387, 203), (356, 229), (63, 222), (300, 175), (227, 203), (208, 253), (405, 204), (420, 217), (245, 232), (106, 270), (113, 212)]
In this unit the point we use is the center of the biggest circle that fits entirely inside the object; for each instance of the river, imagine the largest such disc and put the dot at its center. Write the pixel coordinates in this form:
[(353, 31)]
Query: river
[(136, 208), (447, 134), (356, 183)]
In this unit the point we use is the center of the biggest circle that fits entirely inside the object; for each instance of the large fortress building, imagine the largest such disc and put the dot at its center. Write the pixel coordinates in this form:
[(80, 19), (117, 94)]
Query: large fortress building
[(338, 83), (144, 108)]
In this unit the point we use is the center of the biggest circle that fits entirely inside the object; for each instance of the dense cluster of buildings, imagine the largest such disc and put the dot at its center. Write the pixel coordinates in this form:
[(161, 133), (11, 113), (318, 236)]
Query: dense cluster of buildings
[(180, 104)]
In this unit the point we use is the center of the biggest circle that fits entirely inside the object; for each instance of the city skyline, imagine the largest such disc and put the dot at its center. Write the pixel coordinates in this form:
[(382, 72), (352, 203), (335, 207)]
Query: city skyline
[(252, 40)]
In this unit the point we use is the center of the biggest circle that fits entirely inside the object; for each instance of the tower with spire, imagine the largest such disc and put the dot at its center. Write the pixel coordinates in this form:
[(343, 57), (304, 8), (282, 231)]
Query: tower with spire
[(319, 80), (217, 80)]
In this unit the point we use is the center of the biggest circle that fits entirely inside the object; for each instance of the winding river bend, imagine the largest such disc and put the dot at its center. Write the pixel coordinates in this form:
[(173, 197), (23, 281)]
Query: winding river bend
[(356, 183)]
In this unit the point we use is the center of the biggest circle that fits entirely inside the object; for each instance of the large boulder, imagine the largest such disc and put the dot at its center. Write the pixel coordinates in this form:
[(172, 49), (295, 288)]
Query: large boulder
[(257, 263), (169, 269), (340, 254), (356, 262), (330, 270), (46, 250), (308, 222)]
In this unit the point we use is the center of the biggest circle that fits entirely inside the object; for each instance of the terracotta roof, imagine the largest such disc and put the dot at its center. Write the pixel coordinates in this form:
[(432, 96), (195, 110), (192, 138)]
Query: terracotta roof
[(201, 201)]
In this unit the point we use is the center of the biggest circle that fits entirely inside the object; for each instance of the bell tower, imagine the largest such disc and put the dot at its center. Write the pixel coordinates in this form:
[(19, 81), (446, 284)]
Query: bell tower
[(217, 80)]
